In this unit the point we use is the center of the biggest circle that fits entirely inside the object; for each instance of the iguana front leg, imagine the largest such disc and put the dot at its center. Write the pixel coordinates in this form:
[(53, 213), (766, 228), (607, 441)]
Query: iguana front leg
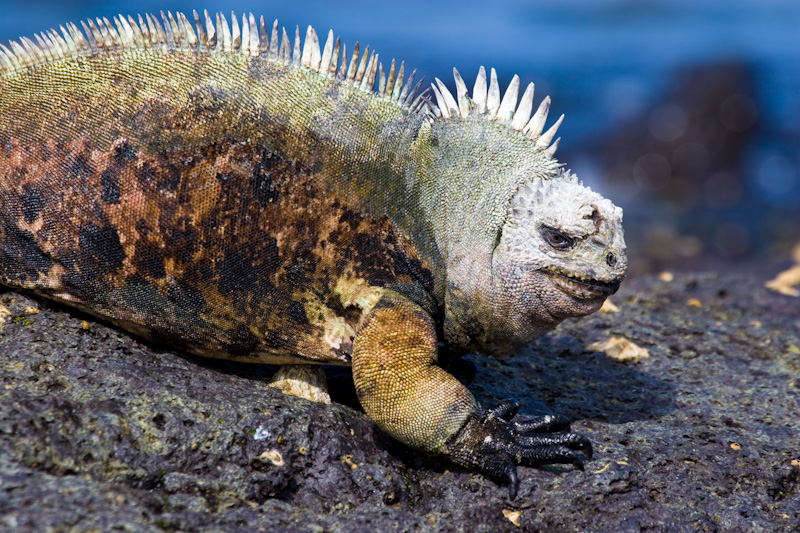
[(418, 403), (397, 380)]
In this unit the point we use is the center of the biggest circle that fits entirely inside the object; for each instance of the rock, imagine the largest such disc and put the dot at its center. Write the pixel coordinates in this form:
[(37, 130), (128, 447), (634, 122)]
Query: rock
[(99, 430)]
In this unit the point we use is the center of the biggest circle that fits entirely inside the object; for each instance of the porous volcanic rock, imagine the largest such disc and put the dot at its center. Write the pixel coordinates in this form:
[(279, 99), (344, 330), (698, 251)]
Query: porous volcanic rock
[(102, 431)]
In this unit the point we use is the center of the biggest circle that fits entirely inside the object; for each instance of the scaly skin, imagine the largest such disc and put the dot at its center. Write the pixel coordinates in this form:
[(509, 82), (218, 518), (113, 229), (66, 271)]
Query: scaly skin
[(238, 200), (397, 380)]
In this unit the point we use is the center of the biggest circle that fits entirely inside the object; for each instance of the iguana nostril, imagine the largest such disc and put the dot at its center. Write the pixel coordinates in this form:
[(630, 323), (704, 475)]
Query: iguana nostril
[(611, 260)]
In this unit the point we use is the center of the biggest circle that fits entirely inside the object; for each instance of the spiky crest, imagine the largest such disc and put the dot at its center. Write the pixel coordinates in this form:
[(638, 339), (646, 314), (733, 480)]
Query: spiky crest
[(487, 103), (176, 33)]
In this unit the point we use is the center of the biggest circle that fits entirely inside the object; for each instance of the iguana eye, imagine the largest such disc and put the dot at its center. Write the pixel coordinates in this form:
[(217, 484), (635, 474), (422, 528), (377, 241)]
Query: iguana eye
[(557, 239)]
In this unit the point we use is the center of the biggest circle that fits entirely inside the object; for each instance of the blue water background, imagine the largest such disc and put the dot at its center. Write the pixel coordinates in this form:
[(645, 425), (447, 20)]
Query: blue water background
[(603, 62)]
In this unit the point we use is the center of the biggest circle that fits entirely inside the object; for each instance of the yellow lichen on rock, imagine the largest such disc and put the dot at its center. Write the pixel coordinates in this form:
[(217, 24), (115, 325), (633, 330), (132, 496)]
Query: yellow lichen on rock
[(609, 307), (620, 349), (273, 456), (785, 282), (5, 312), (513, 516)]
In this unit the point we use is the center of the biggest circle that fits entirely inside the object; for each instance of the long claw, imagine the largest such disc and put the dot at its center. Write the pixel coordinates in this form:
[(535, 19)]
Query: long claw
[(503, 471), (582, 444), (587, 449), (513, 482)]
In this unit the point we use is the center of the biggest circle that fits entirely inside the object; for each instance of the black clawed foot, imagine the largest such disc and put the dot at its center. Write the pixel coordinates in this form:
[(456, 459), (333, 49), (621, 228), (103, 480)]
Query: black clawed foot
[(494, 444)]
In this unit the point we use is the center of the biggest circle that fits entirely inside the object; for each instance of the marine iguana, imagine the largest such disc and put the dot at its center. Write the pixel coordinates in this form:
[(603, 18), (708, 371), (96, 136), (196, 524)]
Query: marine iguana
[(215, 188)]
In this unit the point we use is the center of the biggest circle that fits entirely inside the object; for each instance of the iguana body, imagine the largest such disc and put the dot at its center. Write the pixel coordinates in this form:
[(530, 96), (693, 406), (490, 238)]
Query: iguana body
[(208, 188)]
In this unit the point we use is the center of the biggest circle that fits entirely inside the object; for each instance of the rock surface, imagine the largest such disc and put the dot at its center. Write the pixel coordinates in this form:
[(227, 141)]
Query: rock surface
[(101, 431)]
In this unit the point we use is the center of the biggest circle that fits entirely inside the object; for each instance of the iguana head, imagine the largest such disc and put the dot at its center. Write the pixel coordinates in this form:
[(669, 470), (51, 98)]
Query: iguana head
[(536, 246), (561, 253)]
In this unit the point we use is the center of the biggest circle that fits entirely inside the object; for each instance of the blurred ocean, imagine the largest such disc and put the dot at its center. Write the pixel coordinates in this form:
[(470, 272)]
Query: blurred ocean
[(615, 68)]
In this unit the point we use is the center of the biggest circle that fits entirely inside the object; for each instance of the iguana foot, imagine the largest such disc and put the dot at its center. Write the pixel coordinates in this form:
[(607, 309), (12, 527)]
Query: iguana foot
[(305, 381), (494, 445)]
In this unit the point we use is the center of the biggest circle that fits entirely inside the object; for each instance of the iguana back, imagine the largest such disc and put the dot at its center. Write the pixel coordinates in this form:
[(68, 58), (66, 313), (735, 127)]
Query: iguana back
[(206, 190)]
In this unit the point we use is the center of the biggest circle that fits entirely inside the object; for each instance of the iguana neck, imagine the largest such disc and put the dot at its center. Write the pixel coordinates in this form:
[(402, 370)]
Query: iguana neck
[(477, 168)]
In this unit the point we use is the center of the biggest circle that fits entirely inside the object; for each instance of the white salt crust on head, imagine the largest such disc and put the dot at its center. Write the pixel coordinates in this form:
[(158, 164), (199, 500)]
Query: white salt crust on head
[(561, 203)]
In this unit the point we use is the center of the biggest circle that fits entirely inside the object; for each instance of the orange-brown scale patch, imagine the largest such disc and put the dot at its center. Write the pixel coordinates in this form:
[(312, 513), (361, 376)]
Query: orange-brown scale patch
[(226, 250)]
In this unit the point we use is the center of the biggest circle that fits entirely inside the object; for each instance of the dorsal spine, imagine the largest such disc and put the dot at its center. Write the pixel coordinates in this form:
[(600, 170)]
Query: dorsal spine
[(177, 33)]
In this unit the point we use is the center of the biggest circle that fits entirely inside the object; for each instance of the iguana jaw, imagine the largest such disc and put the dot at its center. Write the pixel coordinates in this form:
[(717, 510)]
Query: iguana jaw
[(581, 287), (538, 299)]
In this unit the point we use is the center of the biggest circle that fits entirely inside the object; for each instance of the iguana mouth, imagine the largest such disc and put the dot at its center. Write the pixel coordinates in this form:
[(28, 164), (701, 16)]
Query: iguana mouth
[(583, 289)]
